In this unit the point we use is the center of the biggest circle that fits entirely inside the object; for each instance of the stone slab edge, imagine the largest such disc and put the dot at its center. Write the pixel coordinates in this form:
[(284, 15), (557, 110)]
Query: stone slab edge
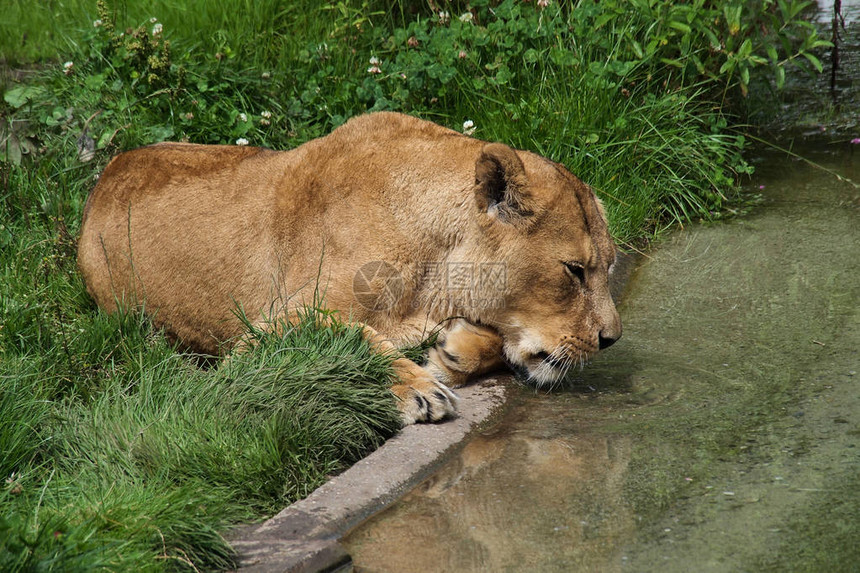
[(304, 537)]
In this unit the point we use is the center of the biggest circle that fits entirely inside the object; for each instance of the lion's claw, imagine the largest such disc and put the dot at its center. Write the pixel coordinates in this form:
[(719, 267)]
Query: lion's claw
[(425, 400)]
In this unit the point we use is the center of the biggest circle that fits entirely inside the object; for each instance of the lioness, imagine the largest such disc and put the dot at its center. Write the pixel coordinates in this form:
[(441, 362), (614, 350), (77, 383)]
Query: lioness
[(403, 224)]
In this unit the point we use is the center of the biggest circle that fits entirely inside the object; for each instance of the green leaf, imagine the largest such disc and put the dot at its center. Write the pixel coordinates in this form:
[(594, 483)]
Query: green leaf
[(733, 18), (17, 97), (160, 132), (783, 8), (680, 26), (104, 138), (602, 20), (813, 60), (771, 53), (503, 75), (713, 39), (798, 7), (95, 82), (57, 116), (651, 47), (786, 45), (780, 77)]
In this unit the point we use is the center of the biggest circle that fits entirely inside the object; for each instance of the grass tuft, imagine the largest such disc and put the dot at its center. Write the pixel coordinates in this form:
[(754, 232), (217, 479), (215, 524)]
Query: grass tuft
[(166, 454)]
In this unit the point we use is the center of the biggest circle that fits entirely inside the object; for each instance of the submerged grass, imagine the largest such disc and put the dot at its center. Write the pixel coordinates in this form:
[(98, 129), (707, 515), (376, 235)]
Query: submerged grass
[(822, 537), (117, 452)]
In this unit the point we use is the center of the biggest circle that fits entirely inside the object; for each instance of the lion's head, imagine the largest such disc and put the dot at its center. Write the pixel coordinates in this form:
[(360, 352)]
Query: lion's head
[(550, 231)]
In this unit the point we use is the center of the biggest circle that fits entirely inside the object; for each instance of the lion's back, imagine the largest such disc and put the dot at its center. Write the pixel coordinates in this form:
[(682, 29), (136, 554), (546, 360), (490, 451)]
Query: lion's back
[(197, 229)]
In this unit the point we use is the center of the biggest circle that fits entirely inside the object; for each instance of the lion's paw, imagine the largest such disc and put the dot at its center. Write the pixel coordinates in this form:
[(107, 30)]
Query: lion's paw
[(421, 398), (425, 404)]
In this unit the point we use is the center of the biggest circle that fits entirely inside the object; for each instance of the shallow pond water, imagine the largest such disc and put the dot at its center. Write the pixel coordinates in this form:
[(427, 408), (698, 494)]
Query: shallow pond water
[(720, 433)]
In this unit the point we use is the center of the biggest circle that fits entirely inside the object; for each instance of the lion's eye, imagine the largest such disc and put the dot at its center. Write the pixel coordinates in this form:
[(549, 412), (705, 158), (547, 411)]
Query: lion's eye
[(576, 270)]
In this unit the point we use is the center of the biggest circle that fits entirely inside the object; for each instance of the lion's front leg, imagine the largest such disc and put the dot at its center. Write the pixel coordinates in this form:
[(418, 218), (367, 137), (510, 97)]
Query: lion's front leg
[(465, 351)]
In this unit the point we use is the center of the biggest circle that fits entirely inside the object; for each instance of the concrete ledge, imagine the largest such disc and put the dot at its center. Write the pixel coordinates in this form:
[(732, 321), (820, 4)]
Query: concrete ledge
[(304, 536)]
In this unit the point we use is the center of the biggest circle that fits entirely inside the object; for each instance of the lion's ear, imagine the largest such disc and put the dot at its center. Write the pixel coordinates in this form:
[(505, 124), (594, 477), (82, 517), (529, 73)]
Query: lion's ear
[(501, 183)]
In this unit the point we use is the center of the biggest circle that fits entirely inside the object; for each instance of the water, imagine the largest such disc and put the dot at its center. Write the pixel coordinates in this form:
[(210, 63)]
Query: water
[(810, 108), (720, 434)]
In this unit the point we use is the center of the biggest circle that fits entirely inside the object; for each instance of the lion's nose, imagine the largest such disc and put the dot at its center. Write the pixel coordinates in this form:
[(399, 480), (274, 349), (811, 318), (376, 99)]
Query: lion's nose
[(607, 341), (610, 328)]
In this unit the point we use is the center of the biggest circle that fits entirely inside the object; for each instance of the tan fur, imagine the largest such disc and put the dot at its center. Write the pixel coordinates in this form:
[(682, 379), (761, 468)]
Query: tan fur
[(400, 223)]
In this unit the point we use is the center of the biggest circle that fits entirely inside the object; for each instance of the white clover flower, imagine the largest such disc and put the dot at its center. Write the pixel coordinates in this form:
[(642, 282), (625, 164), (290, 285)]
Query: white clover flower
[(374, 66), (243, 118), (241, 141), (265, 75), (444, 17), (266, 114), (466, 17), (542, 3), (469, 127), (67, 67), (97, 23), (153, 20), (156, 30)]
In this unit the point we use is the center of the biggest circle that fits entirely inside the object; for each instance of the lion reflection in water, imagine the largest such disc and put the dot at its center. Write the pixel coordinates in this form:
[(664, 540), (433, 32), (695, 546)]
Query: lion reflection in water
[(508, 503)]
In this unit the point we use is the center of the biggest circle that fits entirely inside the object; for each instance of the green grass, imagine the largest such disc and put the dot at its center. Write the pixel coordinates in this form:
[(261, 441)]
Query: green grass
[(116, 451), (159, 455)]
